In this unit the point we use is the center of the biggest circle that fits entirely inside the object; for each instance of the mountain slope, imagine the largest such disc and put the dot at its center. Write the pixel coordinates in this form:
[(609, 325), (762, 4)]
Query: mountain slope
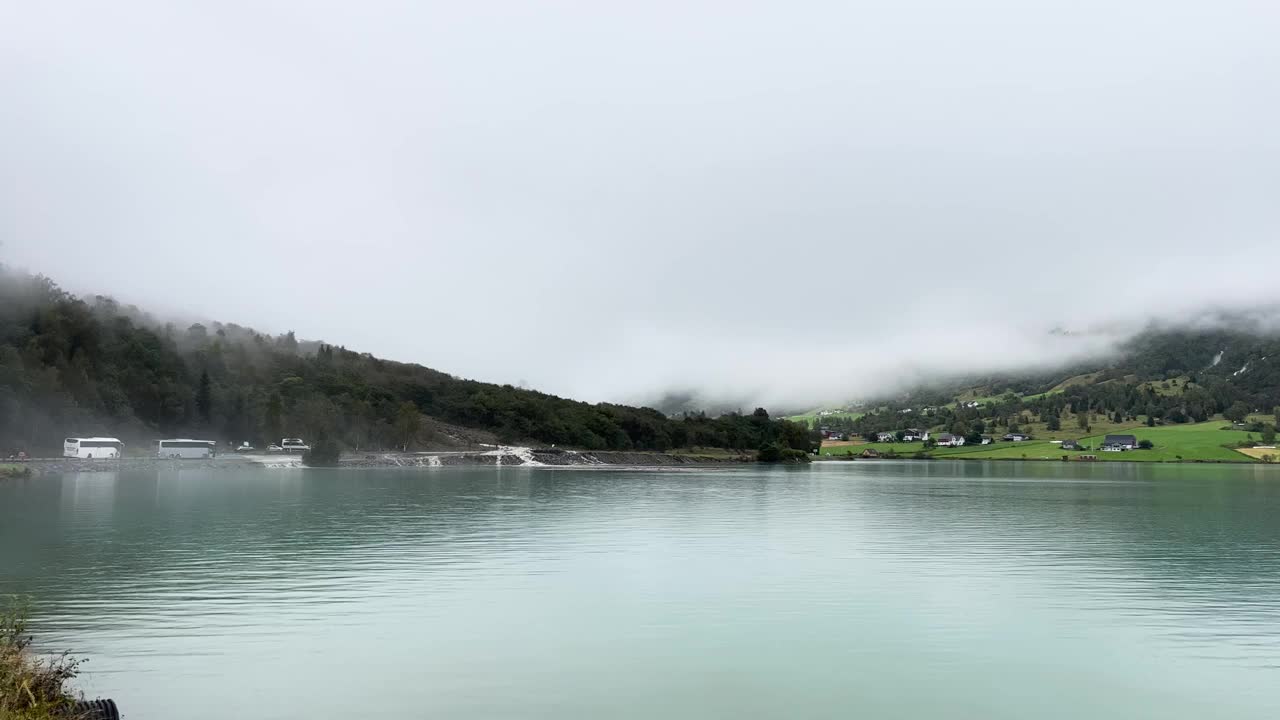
[(1162, 376), (73, 367)]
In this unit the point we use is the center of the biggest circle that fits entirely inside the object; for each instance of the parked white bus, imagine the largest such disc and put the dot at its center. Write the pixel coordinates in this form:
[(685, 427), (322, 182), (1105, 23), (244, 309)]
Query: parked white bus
[(294, 445), (92, 448), (185, 449)]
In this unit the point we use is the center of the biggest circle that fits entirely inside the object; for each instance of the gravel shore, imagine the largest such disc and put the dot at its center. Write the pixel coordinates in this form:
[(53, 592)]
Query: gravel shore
[(503, 456)]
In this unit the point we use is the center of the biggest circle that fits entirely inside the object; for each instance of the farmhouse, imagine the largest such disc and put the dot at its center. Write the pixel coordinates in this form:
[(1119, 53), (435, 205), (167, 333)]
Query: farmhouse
[(949, 440), (1071, 445), (987, 440), (1015, 437), (885, 437), (914, 434), (1119, 443)]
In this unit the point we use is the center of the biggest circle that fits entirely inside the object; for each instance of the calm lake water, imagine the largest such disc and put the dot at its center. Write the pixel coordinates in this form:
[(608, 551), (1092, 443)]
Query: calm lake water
[(876, 590)]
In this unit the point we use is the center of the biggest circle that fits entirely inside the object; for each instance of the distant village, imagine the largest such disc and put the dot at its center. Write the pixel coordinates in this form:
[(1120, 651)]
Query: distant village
[(1110, 443)]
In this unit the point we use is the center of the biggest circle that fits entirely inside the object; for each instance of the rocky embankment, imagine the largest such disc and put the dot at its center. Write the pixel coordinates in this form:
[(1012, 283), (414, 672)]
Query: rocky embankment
[(522, 456), (498, 456), (74, 465)]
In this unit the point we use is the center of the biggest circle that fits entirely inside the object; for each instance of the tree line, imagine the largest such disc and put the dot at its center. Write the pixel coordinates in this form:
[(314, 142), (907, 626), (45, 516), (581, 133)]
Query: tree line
[(71, 366), (1179, 399)]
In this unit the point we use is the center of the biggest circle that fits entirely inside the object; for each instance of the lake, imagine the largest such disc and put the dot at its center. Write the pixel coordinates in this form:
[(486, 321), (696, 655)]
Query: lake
[(839, 590)]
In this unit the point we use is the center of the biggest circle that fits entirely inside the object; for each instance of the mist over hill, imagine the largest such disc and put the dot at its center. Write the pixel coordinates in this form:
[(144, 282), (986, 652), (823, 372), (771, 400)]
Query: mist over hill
[(78, 367), (1237, 349)]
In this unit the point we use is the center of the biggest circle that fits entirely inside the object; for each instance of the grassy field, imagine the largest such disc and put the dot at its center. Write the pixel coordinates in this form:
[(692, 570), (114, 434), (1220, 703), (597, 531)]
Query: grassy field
[(1262, 453), (812, 417), (713, 454), (1173, 443), (982, 395), (842, 448), (1173, 386), (1194, 441)]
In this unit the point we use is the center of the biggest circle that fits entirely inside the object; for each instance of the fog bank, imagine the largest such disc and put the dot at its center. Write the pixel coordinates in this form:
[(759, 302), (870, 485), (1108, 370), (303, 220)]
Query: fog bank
[(794, 202)]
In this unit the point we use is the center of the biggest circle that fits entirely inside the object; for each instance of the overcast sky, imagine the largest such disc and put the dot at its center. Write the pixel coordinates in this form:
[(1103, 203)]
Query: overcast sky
[(793, 201)]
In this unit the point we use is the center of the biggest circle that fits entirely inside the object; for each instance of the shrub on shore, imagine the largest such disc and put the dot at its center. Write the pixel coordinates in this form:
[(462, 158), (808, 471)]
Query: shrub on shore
[(324, 452), (31, 688), (14, 471), (775, 452)]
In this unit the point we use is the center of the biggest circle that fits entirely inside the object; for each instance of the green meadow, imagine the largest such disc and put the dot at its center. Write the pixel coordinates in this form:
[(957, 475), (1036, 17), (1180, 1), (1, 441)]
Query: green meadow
[(1192, 442)]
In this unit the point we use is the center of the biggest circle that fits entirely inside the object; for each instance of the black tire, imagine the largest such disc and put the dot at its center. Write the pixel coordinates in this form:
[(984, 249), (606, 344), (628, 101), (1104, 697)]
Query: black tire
[(95, 710)]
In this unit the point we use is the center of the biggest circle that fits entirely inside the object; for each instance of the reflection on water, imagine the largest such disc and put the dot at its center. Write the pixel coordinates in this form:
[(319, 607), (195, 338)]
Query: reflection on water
[(879, 589)]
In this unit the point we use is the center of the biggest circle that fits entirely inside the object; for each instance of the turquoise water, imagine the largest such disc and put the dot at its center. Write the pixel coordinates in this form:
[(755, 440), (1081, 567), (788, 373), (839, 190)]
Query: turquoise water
[(886, 590)]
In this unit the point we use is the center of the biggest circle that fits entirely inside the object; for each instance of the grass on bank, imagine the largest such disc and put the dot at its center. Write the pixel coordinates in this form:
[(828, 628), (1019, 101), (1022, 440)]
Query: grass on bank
[(815, 417), (1192, 442), (713, 454), (1266, 455), (9, 470), (31, 688)]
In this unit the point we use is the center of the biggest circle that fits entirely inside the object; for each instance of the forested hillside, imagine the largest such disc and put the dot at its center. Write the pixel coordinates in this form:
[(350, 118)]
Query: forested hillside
[(1162, 376), (71, 366)]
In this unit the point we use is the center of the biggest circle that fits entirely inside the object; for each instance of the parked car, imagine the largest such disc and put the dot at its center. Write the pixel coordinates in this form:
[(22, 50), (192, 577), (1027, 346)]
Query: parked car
[(274, 448)]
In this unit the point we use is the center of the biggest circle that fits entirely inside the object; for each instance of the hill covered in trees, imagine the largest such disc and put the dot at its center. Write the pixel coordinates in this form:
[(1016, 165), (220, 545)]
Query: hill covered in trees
[(73, 366), (1161, 376)]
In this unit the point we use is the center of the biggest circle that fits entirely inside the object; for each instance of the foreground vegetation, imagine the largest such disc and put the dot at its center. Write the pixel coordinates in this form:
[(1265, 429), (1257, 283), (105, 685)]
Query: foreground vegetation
[(70, 366), (31, 688), (14, 471)]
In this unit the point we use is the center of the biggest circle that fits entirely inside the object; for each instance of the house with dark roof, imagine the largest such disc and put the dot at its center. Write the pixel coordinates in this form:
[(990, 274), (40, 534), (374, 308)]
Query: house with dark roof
[(1119, 443), (1071, 445), (949, 440), (1015, 437), (885, 437)]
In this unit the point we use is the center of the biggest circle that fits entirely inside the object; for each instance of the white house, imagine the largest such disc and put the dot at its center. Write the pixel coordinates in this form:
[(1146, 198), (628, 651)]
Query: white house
[(949, 440), (1119, 443), (886, 437), (912, 435)]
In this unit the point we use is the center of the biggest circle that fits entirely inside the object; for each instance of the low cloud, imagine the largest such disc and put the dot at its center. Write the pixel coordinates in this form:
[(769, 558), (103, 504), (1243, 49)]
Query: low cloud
[(791, 204)]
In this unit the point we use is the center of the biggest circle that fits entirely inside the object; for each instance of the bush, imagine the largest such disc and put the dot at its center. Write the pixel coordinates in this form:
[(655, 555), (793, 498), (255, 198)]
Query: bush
[(1145, 445), (30, 688), (774, 452), (795, 456), (770, 453), (325, 452), (13, 471)]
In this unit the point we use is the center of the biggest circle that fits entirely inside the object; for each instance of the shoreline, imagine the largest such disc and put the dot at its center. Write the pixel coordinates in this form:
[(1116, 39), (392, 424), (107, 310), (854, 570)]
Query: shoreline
[(1099, 461), (496, 457)]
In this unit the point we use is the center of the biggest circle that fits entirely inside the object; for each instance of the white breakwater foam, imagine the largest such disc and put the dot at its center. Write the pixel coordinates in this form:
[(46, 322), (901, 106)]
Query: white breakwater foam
[(275, 462), (524, 454)]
